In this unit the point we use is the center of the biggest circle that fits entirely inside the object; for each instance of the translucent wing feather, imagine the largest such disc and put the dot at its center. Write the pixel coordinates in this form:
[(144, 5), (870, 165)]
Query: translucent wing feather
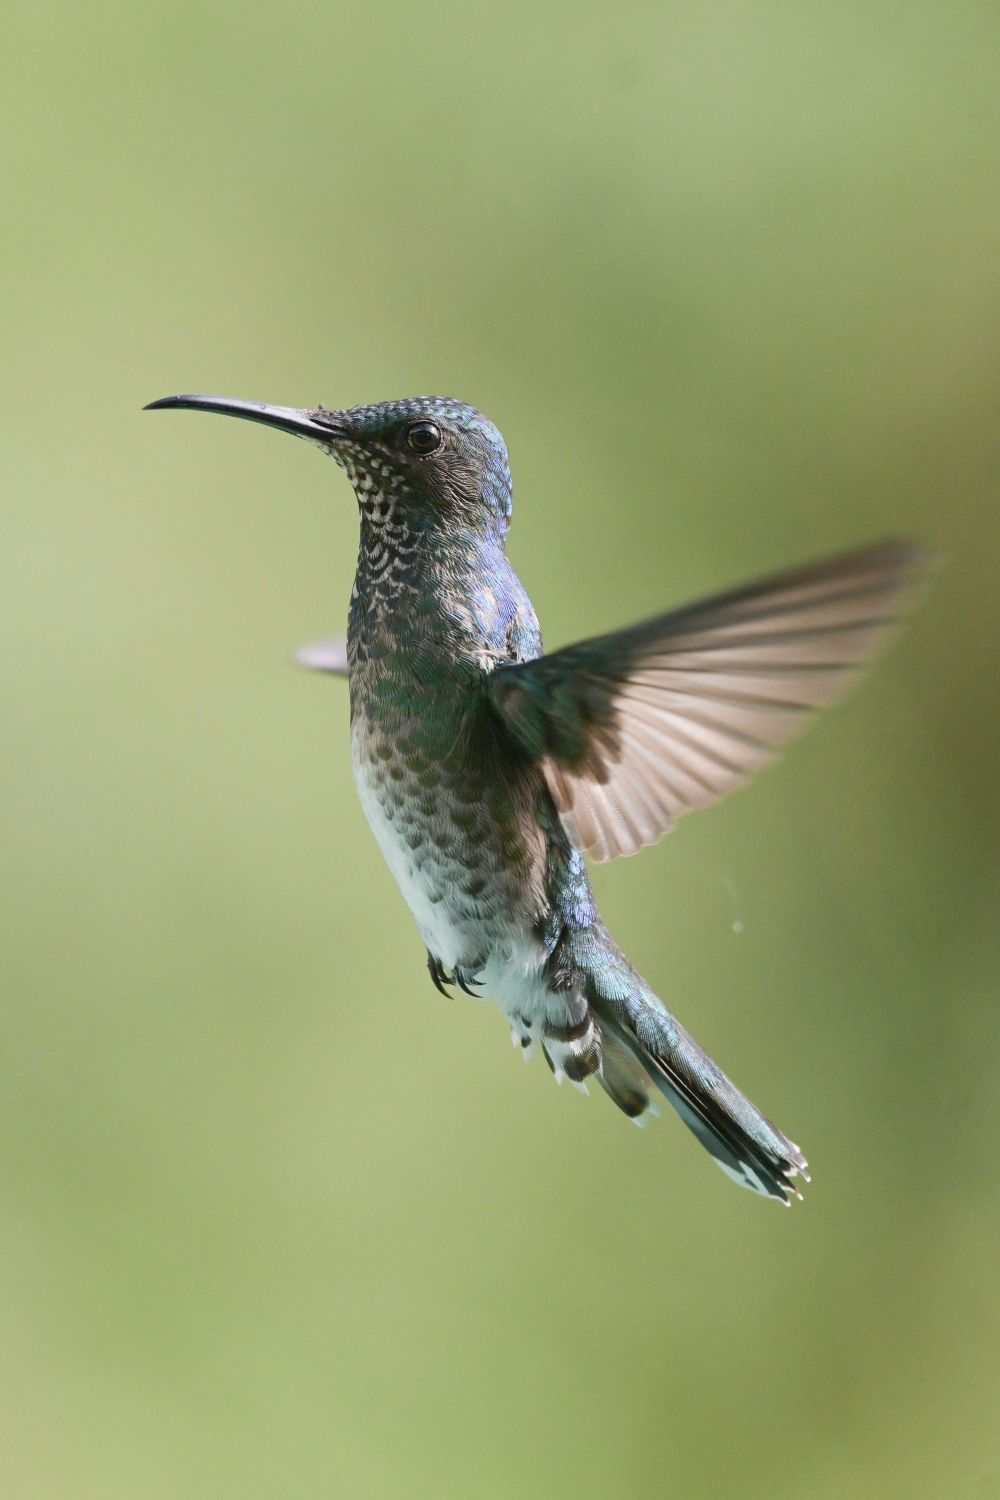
[(639, 726), (325, 656)]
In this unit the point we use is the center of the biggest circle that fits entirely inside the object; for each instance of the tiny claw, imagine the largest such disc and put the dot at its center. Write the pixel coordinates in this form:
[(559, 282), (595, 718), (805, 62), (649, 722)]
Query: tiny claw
[(438, 977), (463, 983)]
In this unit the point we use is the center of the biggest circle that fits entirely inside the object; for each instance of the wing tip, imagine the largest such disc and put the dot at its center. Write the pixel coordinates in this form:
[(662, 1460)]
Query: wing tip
[(324, 656)]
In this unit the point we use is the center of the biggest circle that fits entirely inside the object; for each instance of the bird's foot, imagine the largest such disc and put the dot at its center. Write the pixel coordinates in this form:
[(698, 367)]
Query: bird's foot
[(468, 984), (438, 976)]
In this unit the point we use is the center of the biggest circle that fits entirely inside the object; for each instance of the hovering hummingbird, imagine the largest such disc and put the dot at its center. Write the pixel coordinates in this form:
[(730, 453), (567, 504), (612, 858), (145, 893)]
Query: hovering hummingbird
[(487, 770)]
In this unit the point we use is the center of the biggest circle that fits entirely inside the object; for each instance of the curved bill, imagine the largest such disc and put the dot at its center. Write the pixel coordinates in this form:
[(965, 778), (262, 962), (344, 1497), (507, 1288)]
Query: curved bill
[(319, 426)]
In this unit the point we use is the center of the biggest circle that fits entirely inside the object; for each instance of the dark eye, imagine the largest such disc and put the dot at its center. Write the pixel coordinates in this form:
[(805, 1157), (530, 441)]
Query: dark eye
[(423, 437)]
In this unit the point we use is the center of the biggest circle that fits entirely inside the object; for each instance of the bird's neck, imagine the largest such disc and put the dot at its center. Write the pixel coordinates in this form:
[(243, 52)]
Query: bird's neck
[(427, 593)]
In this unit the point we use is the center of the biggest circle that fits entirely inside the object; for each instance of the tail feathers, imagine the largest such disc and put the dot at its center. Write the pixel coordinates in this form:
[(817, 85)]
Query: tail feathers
[(624, 1079), (644, 1043)]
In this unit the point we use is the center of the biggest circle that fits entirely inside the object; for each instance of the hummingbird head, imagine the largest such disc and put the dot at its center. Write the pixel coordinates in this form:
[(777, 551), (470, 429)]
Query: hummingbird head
[(427, 463)]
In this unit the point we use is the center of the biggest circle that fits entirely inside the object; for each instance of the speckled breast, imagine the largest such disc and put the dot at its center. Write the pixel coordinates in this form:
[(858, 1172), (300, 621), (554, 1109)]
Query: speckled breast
[(458, 827)]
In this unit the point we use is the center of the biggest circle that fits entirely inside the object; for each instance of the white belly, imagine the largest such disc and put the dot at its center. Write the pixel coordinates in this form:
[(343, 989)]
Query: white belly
[(482, 931), (434, 918)]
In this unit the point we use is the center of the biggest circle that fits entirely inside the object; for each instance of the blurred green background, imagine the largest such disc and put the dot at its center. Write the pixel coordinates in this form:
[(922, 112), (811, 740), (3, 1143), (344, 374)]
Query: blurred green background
[(275, 1219)]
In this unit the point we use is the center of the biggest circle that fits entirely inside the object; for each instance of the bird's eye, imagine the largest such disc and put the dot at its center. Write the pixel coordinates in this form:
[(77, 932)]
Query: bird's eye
[(424, 437)]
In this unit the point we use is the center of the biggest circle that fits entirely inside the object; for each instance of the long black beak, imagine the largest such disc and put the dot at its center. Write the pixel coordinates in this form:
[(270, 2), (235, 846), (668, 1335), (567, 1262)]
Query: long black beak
[(319, 426)]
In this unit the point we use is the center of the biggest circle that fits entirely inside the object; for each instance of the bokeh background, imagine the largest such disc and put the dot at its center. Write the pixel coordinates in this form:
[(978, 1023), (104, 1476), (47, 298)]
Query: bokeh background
[(276, 1219)]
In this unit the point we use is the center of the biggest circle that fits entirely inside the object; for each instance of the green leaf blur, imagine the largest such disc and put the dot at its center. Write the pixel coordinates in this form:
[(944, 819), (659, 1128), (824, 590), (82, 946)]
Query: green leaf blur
[(276, 1219)]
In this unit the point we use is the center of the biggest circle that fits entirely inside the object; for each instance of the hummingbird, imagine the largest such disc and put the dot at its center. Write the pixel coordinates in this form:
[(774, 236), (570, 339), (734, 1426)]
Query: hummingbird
[(489, 770)]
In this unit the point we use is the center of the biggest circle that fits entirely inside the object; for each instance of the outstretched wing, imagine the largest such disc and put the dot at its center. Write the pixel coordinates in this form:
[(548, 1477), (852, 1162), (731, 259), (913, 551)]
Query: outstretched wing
[(636, 727)]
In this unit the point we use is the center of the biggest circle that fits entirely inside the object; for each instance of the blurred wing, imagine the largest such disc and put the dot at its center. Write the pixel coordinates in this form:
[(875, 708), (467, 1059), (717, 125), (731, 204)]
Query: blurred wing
[(325, 656), (636, 727)]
